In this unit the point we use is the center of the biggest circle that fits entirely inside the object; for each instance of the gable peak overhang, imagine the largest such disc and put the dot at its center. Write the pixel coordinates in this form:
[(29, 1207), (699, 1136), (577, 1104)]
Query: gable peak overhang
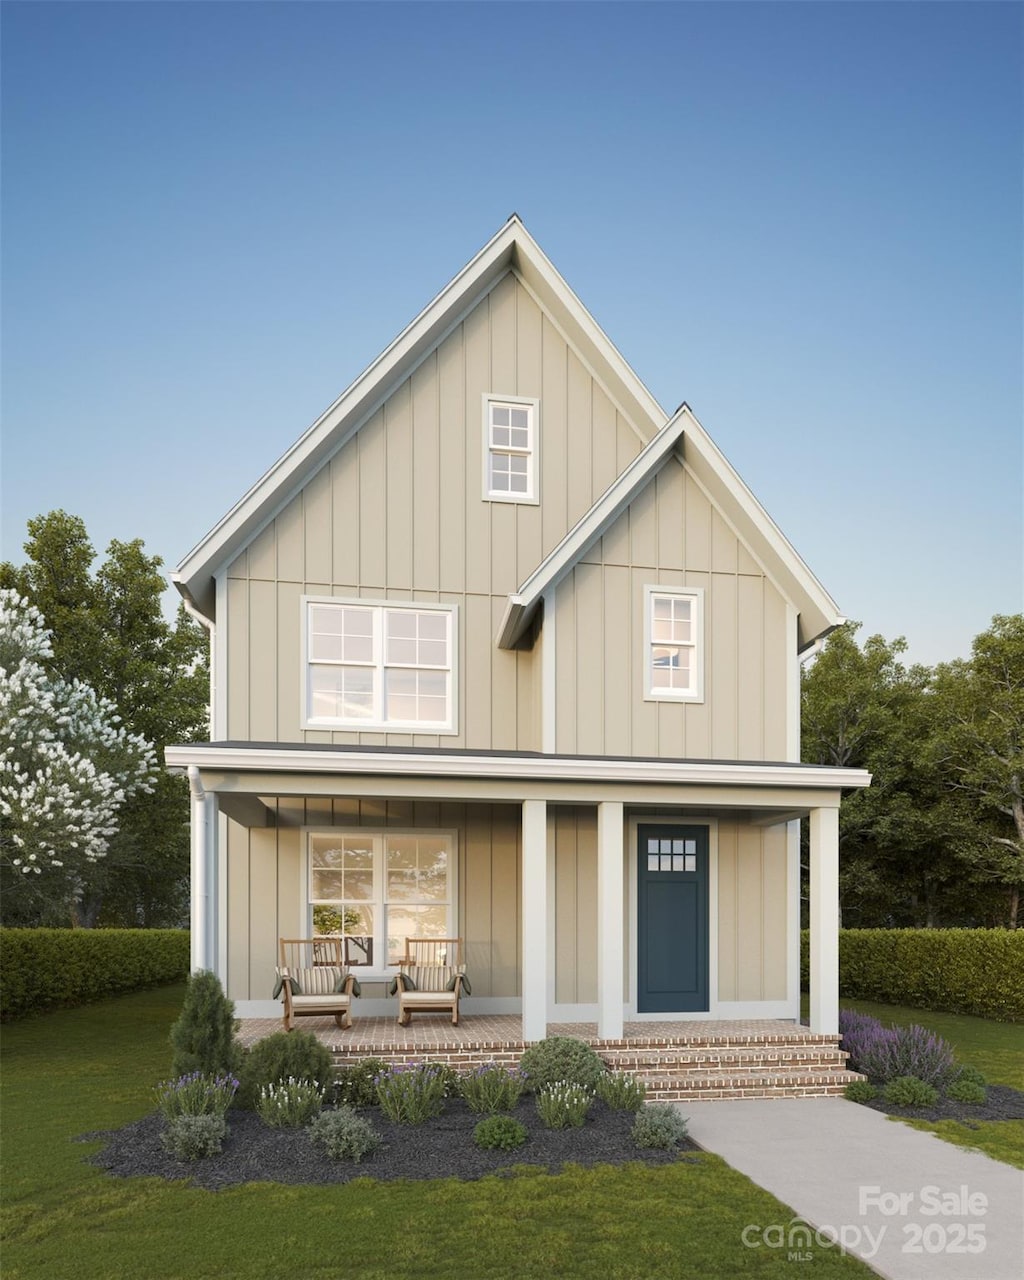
[(513, 249)]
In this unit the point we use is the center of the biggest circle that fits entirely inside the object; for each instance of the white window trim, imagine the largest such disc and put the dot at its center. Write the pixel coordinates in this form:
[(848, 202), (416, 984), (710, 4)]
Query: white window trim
[(696, 694), (374, 725), (532, 495), (377, 971)]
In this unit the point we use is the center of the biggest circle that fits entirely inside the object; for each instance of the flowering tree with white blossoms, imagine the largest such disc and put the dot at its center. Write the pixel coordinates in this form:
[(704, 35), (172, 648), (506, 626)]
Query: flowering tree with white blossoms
[(66, 766)]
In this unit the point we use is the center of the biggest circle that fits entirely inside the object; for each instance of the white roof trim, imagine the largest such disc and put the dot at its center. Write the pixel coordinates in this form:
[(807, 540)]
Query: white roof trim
[(619, 494), (512, 248), (522, 768)]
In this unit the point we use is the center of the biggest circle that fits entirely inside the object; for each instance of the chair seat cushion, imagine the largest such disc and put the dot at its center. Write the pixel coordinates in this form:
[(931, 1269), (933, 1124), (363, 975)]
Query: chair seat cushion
[(335, 1001), (428, 997)]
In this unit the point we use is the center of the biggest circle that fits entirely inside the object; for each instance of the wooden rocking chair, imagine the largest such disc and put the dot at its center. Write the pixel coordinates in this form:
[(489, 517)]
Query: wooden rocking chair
[(313, 980), (432, 978)]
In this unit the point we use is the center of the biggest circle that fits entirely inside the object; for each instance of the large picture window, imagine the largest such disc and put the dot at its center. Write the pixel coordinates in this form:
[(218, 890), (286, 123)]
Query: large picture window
[(377, 888), (673, 644), (376, 666)]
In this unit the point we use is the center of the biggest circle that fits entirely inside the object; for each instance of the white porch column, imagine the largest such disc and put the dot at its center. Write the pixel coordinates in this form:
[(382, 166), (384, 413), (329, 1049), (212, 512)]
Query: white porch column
[(534, 919), (609, 920), (200, 873), (824, 894)]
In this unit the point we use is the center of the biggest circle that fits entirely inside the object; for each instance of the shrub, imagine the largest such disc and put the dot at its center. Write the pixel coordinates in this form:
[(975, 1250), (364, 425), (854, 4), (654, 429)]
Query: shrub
[(203, 1038), (962, 1090), (298, 1054), (561, 1058), (862, 1037), (967, 1073), (908, 1051), (860, 1091), (412, 1094), (659, 1126), (492, 1088), (344, 1135), (620, 1091), (976, 971), (499, 1133), (192, 1137), (290, 1103), (196, 1095), (908, 1091), (355, 1086), (563, 1105), (60, 968)]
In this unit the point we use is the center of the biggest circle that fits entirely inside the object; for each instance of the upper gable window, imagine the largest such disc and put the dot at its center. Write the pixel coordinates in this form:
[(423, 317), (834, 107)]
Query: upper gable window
[(674, 644), (510, 449), (379, 666)]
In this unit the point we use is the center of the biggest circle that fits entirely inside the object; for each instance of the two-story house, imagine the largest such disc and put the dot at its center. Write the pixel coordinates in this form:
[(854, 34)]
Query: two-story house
[(502, 651)]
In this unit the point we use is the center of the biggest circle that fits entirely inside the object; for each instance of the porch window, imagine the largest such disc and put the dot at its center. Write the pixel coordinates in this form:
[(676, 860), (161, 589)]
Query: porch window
[(510, 449), (673, 644), (377, 888), (379, 666)]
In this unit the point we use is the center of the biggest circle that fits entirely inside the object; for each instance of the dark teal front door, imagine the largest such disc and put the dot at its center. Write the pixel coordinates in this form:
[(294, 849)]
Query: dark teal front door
[(672, 923)]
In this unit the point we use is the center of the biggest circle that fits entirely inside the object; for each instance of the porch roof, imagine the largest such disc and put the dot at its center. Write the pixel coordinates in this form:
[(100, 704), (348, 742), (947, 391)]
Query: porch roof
[(768, 791)]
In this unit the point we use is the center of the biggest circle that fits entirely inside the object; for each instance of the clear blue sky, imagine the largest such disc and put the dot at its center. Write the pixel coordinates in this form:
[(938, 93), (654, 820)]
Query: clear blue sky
[(803, 219)]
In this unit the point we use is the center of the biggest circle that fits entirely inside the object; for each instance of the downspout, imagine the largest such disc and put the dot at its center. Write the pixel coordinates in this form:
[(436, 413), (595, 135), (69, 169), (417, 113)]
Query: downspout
[(200, 896), (211, 627)]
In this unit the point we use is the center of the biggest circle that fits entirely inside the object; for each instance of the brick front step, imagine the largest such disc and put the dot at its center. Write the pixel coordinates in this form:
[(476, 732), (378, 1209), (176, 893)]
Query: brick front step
[(658, 1061), (709, 1087)]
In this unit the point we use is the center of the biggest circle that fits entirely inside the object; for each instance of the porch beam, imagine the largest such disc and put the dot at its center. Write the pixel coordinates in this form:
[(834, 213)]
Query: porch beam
[(246, 810), (533, 913), (776, 817), (610, 948), (824, 894)]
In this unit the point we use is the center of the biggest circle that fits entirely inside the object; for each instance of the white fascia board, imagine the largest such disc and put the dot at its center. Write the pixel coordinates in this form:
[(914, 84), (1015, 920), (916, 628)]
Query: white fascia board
[(605, 511), (522, 768), (819, 613)]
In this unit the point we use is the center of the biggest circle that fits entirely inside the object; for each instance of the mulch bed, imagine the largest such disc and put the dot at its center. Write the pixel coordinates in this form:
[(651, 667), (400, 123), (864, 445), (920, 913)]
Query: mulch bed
[(1002, 1103), (439, 1148)]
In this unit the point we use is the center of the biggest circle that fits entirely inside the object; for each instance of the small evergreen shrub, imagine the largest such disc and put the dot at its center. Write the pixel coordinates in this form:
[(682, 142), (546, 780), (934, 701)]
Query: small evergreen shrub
[(355, 1086), (298, 1054), (860, 1091), (344, 1135), (908, 1091), (203, 1038), (492, 1088), (196, 1095), (621, 1092), (966, 1091), (192, 1137), (967, 1073), (658, 1126), (412, 1094), (561, 1058), (499, 1133), (563, 1105), (290, 1103)]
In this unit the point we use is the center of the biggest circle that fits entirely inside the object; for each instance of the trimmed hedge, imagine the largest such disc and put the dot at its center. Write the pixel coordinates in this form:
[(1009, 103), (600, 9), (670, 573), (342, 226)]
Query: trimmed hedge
[(975, 971), (44, 969)]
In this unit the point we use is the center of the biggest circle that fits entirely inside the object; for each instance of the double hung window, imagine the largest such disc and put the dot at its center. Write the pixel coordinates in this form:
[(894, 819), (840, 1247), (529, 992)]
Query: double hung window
[(510, 449), (376, 666), (673, 644)]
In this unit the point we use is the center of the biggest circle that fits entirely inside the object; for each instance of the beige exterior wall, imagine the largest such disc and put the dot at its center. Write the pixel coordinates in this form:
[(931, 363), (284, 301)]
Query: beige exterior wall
[(398, 514), (671, 535), (265, 895)]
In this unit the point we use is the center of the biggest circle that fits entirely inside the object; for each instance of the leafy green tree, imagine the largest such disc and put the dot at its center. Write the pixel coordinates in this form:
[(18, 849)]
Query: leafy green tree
[(109, 630)]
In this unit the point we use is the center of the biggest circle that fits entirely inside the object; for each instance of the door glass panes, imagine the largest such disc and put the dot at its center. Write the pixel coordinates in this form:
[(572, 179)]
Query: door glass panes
[(677, 855), (691, 862)]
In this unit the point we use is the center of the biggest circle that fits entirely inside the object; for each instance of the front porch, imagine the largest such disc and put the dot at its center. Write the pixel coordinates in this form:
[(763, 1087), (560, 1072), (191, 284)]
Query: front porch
[(691, 1061)]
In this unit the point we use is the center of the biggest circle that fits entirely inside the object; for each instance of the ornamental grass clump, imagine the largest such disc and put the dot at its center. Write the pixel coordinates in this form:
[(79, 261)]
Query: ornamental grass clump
[(411, 1094), (563, 1105), (344, 1135), (196, 1094), (191, 1137), (289, 1104), (561, 1058), (499, 1133), (658, 1126), (621, 1092), (492, 1089)]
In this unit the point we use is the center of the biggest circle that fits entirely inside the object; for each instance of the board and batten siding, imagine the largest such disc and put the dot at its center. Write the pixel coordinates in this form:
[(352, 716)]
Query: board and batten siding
[(670, 535), (397, 513)]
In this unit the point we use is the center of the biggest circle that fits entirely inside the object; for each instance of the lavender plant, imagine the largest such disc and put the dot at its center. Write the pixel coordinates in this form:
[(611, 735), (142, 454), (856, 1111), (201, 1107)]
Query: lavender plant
[(490, 1088), (864, 1039), (621, 1091), (290, 1103), (563, 1105), (411, 1094), (196, 1094)]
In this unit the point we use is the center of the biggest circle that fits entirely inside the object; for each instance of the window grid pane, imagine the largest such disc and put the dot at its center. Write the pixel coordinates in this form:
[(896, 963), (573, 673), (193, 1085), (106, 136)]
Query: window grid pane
[(510, 450), (672, 656)]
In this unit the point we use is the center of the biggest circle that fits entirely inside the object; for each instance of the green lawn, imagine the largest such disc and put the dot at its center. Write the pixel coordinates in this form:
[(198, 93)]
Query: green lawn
[(995, 1048), (93, 1068)]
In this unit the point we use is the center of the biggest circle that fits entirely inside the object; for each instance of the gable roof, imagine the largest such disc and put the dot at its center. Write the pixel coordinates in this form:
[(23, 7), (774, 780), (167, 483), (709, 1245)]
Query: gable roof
[(684, 437), (511, 249)]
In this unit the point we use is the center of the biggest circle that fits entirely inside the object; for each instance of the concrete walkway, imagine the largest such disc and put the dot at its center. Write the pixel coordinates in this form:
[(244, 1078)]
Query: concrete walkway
[(910, 1205)]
